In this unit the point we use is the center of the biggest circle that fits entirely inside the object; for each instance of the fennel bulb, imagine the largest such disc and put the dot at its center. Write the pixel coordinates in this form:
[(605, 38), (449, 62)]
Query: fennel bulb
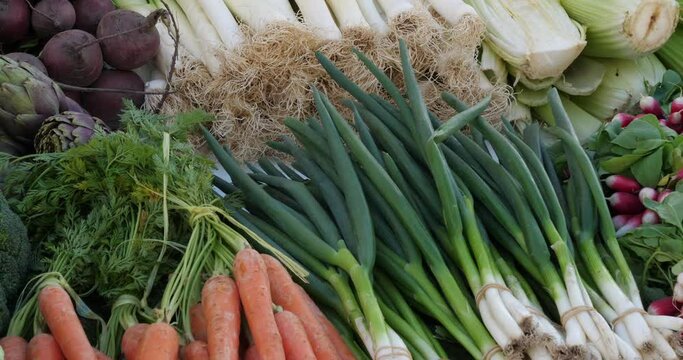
[(624, 28)]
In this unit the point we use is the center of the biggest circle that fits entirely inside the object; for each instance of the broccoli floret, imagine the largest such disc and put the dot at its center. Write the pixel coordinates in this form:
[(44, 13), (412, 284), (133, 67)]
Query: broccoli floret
[(15, 252)]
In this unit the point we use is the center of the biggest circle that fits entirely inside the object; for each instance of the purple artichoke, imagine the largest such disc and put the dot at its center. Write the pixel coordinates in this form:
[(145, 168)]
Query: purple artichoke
[(67, 130)]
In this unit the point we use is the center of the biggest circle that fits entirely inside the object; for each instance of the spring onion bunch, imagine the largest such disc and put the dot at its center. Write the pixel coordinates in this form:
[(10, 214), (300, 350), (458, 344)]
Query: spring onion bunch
[(624, 29)]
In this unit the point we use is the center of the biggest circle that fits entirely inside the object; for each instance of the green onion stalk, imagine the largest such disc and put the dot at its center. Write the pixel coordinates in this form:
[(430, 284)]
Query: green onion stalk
[(613, 280), (355, 256)]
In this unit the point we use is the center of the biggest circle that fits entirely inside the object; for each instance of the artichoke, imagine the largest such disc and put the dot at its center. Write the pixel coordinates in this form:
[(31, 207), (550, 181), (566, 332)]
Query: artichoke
[(27, 97), (67, 130)]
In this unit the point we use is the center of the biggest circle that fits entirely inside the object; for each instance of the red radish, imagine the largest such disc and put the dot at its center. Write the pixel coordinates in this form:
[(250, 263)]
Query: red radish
[(44, 347), (647, 193), (128, 39), (639, 116), (678, 289), (675, 119), (29, 59), (650, 217), (71, 57), (620, 220), (677, 104), (662, 195), (108, 105), (664, 306), (650, 105), (664, 122), (623, 118), (51, 17), (131, 340), (632, 223), (90, 12), (625, 203), (15, 20), (15, 347), (622, 183)]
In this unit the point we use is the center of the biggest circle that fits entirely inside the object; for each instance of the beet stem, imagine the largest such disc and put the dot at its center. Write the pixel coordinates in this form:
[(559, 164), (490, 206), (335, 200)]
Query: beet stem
[(125, 91), (150, 22), (33, 9)]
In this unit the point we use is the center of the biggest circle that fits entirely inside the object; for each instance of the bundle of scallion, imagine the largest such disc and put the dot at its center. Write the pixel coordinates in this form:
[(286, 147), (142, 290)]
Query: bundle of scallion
[(448, 222), (251, 63)]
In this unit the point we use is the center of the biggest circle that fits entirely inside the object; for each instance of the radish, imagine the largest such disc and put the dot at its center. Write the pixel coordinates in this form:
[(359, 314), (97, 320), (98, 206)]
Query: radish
[(108, 105), (640, 116), (664, 306), (15, 20), (647, 193), (90, 12), (623, 118), (29, 59), (650, 105), (51, 17), (677, 105), (73, 57), (662, 195), (128, 39), (625, 203), (675, 118), (620, 220), (649, 217), (678, 289), (632, 223), (622, 183)]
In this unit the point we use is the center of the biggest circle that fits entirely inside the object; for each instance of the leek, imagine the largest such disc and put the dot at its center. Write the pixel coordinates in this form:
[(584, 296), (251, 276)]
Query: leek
[(453, 11), (260, 14), (348, 14), (537, 38), (624, 28), (373, 16), (222, 20), (318, 17), (624, 83)]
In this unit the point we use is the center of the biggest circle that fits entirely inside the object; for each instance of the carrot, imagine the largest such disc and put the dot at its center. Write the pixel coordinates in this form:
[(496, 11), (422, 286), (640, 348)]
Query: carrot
[(198, 322), (101, 356), (294, 339), (286, 294), (159, 342), (131, 340), (196, 350), (44, 347), (15, 347), (221, 308), (254, 289), (60, 316), (251, 354), (339, 343)]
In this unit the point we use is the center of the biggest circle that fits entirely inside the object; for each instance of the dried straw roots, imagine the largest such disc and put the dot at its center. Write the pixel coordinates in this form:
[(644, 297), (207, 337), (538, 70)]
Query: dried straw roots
[(270, 76)]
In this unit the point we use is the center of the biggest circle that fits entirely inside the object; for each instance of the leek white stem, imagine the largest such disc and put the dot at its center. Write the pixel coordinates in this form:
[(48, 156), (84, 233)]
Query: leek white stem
[(222, 20), (453, 11), (201, 24), (259, 14), (663, 347), (373, 16), (348, 14), (497, 333), (626, 350), (665, 322), (318, 16), (394, 8)]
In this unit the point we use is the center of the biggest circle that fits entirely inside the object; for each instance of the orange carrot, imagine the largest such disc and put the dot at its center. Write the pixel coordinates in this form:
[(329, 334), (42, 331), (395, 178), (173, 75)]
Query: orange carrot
[(15, 347), (285, 293), (221, 308), (101, 356), (198, 322), (196, 350), (254, 289), (131, 340), (44, 347), (159, 342), (251, 354), (294, 339), (339, 343), (60, 316)]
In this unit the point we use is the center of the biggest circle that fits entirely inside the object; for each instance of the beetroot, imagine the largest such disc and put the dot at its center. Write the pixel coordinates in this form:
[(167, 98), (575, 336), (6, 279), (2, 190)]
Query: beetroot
[(90, 12), (128, 39), (108, 105), (73, 57), (29, 59), (73, 95), (51, 17), (15, 20)]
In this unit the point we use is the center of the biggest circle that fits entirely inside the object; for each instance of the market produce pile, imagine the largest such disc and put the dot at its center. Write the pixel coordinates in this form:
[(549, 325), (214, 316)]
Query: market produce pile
[(332, 179)]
